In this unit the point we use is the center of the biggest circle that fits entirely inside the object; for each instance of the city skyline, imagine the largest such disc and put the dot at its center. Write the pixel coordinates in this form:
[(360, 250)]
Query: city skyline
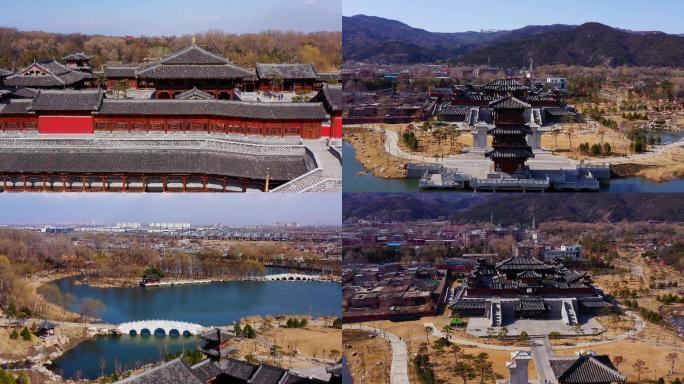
[(172, 17), (450, 17), (198, 209)]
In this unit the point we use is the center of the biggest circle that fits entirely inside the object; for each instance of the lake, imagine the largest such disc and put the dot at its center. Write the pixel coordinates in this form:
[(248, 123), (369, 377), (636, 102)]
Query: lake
[(218, 303)]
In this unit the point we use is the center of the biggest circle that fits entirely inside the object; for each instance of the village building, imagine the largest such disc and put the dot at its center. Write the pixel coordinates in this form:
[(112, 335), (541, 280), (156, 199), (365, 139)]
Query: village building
[(584, 368), (220, 368), (49, 74), (298, 78)]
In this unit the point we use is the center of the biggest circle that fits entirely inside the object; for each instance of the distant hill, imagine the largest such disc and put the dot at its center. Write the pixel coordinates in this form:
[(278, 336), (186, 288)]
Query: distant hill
[(514, 208), (376, 39)]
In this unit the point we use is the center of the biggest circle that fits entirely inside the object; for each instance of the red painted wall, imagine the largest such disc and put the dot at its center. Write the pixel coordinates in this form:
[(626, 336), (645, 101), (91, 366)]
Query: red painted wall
[(336, 126), (65, 124)]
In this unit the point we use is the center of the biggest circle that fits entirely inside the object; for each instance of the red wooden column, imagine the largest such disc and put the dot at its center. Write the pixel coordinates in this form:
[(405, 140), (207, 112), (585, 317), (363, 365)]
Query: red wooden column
[(185, 183), (104, 183), (163, 183), (24, 179), (124, 186), (63, 178), (204, 183), (42, 178), (4, 183), (83, 183), (144, 183), (244, 185), (225, 183)]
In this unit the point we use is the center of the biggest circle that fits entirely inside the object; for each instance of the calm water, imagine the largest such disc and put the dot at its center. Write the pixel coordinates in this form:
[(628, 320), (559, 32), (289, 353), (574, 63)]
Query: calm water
[(351, 182), (218, 303), (369, 183)]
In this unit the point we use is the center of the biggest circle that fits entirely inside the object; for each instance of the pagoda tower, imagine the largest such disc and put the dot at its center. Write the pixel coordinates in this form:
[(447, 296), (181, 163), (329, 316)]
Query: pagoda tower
[(510, 149)]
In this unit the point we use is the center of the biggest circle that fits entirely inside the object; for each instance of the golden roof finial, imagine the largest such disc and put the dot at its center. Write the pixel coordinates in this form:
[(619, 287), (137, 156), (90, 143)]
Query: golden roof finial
[(193, 39)]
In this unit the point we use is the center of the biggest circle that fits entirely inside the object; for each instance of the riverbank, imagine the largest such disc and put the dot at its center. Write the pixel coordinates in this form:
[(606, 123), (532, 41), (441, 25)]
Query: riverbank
[(371, 153), (665, 166)]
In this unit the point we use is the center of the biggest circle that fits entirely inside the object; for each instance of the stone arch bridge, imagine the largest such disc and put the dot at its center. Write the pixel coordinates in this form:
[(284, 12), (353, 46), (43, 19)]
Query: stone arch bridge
[(168, 327)]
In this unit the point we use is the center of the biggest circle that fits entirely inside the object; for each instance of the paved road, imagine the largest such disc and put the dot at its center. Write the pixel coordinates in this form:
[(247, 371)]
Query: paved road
[(541, 352), (399, 370)]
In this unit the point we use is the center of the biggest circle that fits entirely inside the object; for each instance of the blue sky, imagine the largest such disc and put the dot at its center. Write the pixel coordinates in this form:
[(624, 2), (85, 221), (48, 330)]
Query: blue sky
[(171, 17), (229, 209), (465, 15)]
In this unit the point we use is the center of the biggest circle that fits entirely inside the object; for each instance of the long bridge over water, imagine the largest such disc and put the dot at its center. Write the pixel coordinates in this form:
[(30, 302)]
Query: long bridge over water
[(168, 327)]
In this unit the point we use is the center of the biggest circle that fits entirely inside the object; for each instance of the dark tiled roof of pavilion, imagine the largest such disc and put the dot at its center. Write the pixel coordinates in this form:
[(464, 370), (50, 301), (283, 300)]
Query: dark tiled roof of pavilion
[(195, 94), (512, 153), (293, 378), (219, 72), (286, 71), (27, 93), (120, 72), (527, 274), (194, 54), (510, 129), (172, 372), (332, 96), (15, 106), (453, 110), (193, 62), (509, 102), (47, 100), (559, 112), (467, 304), (586, 369), (55, 75), (80, 56), (522, 263), (213, 335), (5, 72), (206, 370), (249, 110), (267, 374), (177, 161), (504, 85)]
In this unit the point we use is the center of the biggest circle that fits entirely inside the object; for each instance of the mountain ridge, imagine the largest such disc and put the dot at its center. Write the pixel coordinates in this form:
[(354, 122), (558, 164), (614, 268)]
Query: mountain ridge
[(381, 40)]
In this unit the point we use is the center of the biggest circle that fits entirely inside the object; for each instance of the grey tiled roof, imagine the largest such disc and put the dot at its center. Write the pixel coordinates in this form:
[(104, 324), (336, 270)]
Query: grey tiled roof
[(194, 54), (176, 161), (509, 102), (195, 94), (332, 97), (172, 372), (194, 71), (270, 111), (504, 85), (15, 106), (47, 100), (28, 93), (120, 72), (5, 72), (57, 76), (286, 71), (193, 62), (267, 374), (586, 370)]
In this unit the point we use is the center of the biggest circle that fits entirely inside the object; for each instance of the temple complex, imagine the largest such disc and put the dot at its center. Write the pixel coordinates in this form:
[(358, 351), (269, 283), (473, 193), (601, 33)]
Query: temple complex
[(524, 288)]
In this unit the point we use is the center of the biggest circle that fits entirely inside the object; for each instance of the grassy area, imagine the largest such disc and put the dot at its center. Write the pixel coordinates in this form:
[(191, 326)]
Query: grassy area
[(369, 357), (370, 151)]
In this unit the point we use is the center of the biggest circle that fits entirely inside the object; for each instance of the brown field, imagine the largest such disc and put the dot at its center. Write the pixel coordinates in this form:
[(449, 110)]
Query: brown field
[(369, 357), (560, 143), (427, 144), (370, 151), (664, 167)]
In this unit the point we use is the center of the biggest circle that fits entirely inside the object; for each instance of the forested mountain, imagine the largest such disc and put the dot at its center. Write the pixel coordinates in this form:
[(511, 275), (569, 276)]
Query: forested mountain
[(375, 39)]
